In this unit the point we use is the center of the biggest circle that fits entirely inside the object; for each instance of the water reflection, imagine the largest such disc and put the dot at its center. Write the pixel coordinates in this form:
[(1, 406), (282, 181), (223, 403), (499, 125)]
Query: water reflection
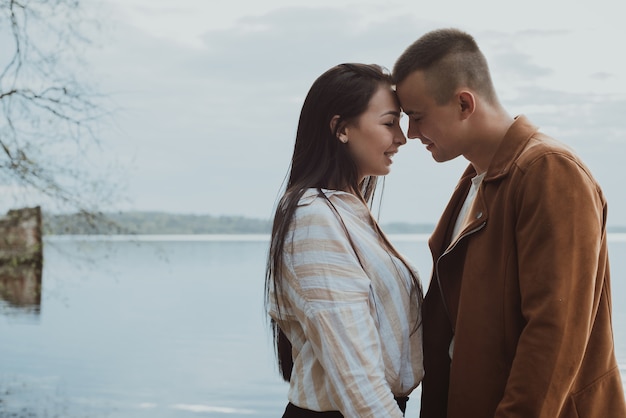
[(21, 258), (20, 288)]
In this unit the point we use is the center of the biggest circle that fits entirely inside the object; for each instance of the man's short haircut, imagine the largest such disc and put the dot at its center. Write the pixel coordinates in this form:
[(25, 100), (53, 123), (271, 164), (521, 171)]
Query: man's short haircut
[(449, 58)]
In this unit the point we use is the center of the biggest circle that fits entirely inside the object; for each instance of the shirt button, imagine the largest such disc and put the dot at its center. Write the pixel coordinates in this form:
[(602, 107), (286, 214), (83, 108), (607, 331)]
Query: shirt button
[(479, 215)]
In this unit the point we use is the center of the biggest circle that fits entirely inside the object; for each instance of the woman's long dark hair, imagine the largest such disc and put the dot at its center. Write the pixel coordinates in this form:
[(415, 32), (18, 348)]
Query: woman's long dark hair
[(321, 161)]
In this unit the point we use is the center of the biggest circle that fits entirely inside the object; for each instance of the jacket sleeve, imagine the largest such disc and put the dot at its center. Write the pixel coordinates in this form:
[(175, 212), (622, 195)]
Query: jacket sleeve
[(560, 227), (335, 294)]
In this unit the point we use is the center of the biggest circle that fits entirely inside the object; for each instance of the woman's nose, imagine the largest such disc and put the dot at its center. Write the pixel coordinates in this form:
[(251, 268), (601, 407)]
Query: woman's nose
[(400, 138)]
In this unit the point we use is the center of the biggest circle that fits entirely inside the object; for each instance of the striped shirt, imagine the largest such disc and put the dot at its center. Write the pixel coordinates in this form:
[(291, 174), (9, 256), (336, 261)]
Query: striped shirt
[(352, 327)]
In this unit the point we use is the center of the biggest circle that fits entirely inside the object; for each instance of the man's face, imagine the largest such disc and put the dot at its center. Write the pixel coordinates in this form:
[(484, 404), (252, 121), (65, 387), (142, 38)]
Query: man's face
[(435, 125)]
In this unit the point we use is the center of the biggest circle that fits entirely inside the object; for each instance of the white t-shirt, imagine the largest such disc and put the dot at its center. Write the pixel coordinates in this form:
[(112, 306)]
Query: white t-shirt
[(469, 201), (462, 219)]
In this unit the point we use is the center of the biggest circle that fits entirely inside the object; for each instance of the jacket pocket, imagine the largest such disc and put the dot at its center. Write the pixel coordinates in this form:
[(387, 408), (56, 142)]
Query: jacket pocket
[(604, 398)]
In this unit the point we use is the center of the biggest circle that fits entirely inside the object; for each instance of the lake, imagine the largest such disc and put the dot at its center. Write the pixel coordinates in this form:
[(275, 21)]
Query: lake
[(166, 326)]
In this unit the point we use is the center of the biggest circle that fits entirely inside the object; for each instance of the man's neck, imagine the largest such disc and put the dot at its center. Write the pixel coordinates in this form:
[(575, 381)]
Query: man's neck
[(492, 124)]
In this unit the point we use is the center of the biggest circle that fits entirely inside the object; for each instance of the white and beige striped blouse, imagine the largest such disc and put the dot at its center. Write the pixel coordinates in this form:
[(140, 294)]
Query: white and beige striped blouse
[(352, 327)]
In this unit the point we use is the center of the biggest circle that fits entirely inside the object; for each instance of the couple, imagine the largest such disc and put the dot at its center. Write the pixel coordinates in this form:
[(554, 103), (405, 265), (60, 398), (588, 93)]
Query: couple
[(517, 318)]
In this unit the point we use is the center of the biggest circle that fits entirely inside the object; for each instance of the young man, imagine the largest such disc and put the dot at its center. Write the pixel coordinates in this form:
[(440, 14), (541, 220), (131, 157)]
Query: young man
[(517, 318)]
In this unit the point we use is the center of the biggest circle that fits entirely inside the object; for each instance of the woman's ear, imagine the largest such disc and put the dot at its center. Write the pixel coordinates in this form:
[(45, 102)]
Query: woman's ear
[(342, 135)]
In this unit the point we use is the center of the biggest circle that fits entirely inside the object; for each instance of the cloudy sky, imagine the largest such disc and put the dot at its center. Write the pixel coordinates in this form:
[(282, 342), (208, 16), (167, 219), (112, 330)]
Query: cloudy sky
[(208, 92)]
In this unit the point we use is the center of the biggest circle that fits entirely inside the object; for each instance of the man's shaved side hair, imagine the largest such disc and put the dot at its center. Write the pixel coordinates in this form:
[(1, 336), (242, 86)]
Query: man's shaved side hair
[(450, 59)]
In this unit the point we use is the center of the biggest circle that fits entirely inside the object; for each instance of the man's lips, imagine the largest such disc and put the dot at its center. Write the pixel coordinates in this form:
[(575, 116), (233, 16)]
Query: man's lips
[(429, 144)]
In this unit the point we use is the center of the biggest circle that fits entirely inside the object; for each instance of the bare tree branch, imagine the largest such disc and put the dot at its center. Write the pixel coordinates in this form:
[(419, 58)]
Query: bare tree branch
[(49, 118)]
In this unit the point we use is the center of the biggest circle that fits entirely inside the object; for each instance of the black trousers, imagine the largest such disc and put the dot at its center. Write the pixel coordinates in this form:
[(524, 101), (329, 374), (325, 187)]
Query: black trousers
[(293, 411)]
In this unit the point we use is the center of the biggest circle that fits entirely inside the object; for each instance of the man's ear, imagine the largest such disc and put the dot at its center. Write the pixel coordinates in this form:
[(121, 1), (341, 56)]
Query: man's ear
[(342, 134), (467, 103)]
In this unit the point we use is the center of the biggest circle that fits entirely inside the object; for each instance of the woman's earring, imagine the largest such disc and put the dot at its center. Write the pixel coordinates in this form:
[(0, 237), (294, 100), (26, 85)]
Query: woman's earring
[(343, 138)]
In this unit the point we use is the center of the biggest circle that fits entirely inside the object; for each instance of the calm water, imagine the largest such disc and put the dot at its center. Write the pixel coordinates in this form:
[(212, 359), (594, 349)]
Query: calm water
[(165, 328)]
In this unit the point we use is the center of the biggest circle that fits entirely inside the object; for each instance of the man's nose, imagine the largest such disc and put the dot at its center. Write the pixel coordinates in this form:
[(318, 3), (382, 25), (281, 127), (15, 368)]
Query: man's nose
[(413, 131)]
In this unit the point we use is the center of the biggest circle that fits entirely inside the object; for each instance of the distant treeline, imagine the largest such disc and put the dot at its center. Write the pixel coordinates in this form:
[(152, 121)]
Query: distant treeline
[(151, 223), (156, 223)]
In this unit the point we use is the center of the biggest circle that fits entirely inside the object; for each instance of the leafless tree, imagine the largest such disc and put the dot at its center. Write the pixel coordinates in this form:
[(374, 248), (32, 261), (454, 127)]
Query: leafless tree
[(50, 114)]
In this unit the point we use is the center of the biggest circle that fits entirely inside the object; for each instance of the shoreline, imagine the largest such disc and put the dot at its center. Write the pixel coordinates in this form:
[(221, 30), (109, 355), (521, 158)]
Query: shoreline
[(612, 237)]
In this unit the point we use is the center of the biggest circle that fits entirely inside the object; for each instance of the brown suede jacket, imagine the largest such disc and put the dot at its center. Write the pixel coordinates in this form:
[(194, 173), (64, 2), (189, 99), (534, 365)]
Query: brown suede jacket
[(525, 291)]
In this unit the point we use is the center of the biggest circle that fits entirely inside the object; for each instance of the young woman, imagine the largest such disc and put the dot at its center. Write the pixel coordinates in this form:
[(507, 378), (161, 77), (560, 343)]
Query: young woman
[(345, 306)]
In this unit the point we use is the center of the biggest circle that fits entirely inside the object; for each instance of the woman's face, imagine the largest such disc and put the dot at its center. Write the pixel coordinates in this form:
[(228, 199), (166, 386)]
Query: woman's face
[(374, 137)]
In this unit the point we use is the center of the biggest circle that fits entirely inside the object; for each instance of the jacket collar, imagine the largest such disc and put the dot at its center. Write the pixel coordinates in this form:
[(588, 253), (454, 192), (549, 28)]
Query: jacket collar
[(512, 145)]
